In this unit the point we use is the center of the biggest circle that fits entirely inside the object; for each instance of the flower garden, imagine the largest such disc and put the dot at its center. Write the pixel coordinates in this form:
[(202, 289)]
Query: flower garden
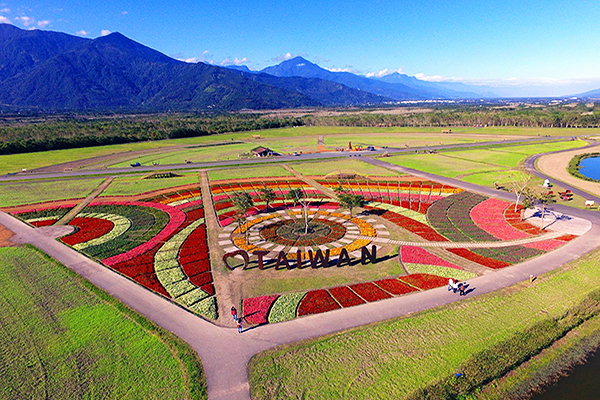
[(223, 193), (159, 239)]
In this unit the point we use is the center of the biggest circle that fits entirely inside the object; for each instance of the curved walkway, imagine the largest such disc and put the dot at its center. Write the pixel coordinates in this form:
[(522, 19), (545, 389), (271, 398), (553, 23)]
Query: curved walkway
[(531, 168), (225, 354)]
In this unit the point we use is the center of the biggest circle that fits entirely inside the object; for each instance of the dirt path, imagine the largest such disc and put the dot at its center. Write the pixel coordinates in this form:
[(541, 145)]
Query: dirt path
[(556, 165), (5, 236), (77, 209)]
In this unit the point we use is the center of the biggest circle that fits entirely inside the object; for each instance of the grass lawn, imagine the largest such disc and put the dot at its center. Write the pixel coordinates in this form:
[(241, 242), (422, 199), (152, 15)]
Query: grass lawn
[(62, 338), (350, 165), (12, 194), (393, 358), (480, 166), (268, 170), (270, 281), (131, 185), (200, 154)]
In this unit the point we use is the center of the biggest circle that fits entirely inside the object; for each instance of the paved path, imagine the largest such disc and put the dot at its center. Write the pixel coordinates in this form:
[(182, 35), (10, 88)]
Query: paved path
[(225, 353), (530, 167), (83, 203)]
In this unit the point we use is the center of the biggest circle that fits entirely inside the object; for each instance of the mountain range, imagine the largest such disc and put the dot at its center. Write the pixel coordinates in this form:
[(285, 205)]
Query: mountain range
[(56, 71), (48, 70)]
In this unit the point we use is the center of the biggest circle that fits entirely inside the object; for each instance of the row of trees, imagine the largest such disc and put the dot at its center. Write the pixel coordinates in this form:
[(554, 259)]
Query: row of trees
[(557, 117), (243, 202), (20, 136)]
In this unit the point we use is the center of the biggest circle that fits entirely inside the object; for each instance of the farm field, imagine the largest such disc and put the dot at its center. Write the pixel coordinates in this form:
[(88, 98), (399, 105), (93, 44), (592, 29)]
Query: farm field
[(131, 185), (480, 166), (341, 166), (63, 338), (392, 359), (297, 139), (268, 170), (12, 194)]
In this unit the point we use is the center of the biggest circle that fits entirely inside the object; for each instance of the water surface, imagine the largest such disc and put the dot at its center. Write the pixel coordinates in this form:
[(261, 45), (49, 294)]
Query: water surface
[(583, 383), (591, 169)]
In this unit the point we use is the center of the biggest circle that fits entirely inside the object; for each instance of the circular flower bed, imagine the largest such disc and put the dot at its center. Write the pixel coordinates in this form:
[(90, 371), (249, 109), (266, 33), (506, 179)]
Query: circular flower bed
[(293, 232)]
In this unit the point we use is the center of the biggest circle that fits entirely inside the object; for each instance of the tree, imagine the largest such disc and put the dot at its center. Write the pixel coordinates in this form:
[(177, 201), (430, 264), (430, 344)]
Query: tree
[(298, 196), (545, 199), (349, 200), (243, 203), (542, 199), (267, 195), (518, 185)]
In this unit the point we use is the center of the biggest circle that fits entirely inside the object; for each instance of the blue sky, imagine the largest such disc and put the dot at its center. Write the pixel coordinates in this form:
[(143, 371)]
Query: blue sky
[(548, 45)]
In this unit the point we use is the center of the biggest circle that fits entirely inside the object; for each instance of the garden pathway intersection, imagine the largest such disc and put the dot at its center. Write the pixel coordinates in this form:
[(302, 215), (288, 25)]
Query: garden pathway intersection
[(225, 353)]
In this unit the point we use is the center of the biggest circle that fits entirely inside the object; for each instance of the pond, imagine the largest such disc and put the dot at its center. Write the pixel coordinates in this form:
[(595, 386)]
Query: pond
[(581, 384), (590, 167)]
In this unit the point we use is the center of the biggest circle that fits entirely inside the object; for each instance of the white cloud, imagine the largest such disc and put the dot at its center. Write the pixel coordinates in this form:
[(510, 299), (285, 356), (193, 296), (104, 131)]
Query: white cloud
[(287, 56), (105, 32), (235, 61), (4, 20), (5, 10), (124, 12), (346, 69), (82, 33), (384, 72), (205, 52), (191, 60), (43, 23), (25, 20)]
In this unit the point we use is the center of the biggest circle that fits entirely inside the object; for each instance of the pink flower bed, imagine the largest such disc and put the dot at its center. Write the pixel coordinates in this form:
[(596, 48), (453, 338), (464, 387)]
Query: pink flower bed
[(256, 309), (545, 245), (418, 255), (489, 216), (176, 218)]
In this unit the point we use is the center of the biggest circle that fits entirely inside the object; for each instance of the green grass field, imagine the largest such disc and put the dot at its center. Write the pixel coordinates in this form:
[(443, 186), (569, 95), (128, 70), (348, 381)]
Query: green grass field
[(352, 165), (393, 358), (297, 139), (267, 170), (12, 194), (131, 185), (480, 166), (61, 338)]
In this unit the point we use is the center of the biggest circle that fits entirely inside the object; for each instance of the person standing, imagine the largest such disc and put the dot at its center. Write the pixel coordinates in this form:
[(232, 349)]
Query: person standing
[(461, 288), (234, 313), (450, 284), (239, 324)]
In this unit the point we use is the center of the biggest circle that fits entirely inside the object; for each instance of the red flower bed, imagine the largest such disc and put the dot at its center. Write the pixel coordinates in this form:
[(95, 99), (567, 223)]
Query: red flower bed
[(481, 260), (394, 286), (209, 288), (151, 282), (369, 291), (345, 296), (221, 206), (567, 238), (514, 219), (47, 222), (424, 281), (256, 309), (413, 226), (89, 228), (316, 302), (201, 279)]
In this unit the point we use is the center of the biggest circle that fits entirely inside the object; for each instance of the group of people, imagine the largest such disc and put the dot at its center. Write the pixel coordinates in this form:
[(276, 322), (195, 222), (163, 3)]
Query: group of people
[(457, 286), (237, 320)]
